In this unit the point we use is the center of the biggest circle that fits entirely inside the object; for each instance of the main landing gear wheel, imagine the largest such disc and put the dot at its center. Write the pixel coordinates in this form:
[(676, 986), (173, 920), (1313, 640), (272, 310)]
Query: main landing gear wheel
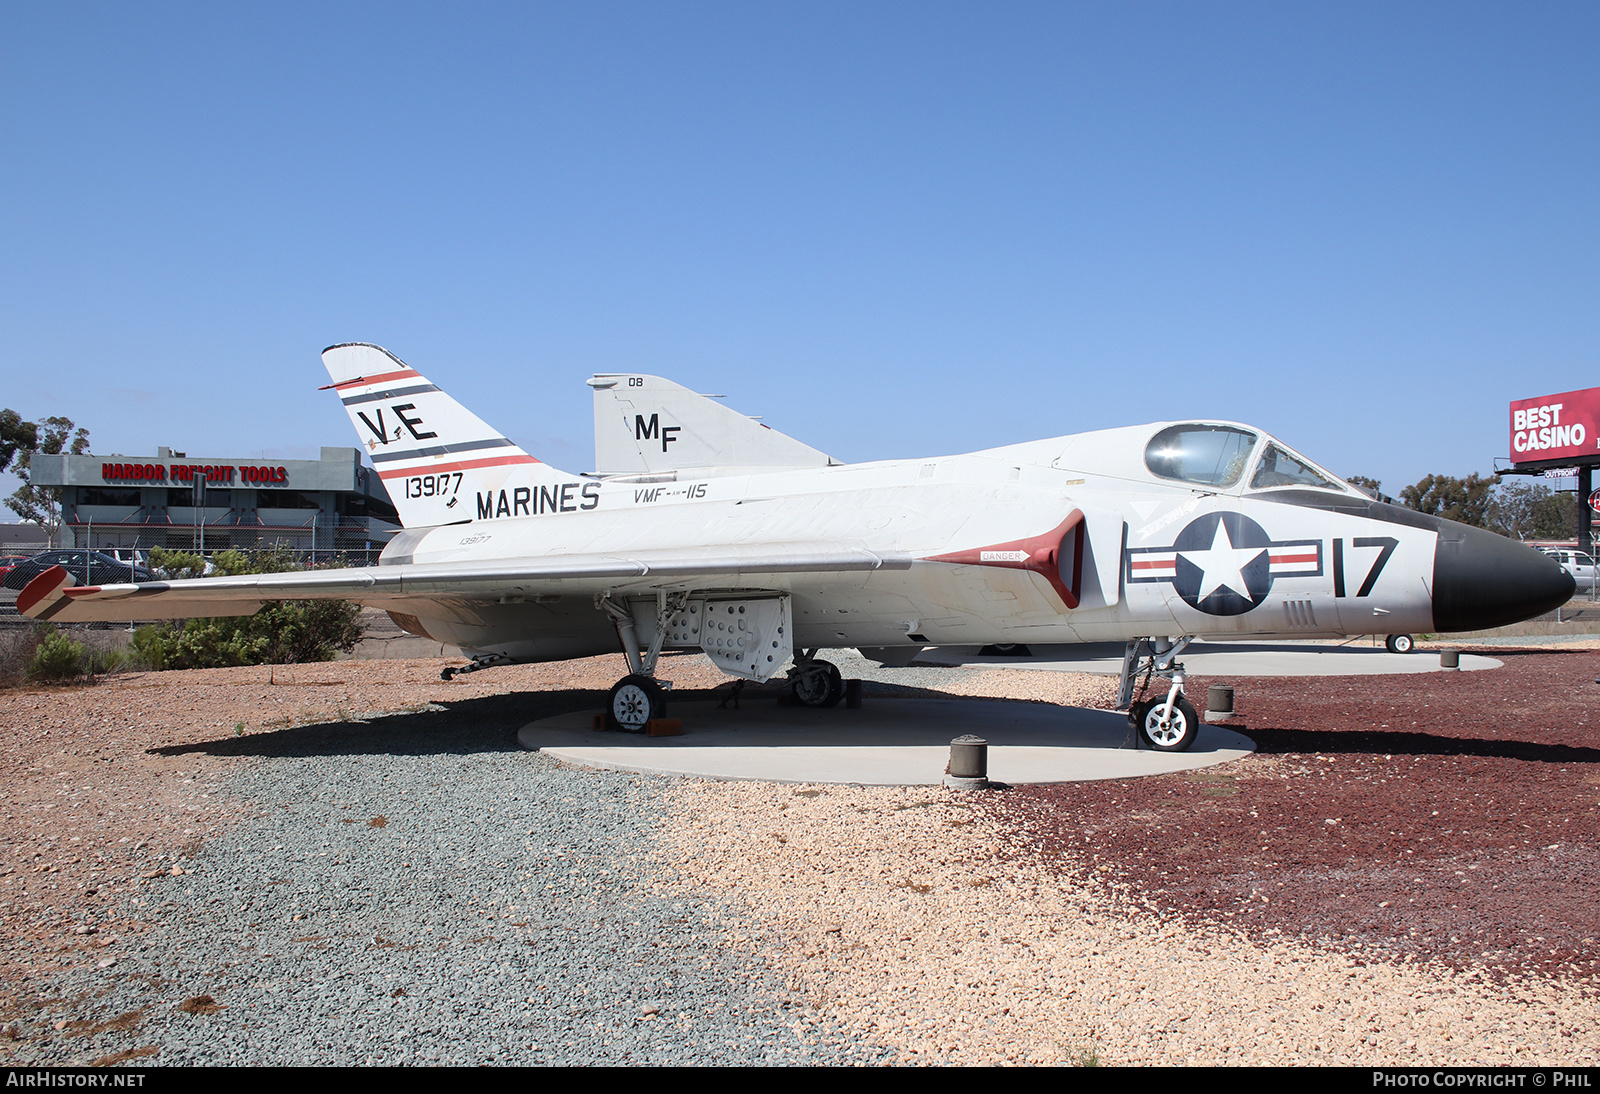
[(1177, 734), (1398, 643), (818, 684), (634, 701)]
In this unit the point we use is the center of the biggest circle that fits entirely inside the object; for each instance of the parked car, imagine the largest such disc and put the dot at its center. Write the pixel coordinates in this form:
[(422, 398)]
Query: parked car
[(1580, 565), (88, 567), (8, 561)]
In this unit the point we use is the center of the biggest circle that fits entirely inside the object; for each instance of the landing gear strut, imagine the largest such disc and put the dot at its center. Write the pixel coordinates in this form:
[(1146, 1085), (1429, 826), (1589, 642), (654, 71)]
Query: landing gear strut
[(1168, 724), (638, 697)]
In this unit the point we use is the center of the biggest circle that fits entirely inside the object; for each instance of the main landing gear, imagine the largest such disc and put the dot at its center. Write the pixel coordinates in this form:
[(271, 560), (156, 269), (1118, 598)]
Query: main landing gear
[(634, 701), (746, 636), (1166, 724), (815, 683), (638, 697)]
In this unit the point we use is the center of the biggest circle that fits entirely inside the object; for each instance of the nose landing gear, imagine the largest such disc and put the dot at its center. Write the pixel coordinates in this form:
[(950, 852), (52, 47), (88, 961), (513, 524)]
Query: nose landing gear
[(1167, 724), (1166, 729)]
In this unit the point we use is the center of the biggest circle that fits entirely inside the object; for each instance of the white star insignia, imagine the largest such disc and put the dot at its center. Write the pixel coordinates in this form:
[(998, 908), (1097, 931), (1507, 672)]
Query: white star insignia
[(1221, 566)]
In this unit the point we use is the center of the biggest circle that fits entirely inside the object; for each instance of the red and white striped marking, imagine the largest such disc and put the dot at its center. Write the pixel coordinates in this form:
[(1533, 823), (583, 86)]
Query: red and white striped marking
[(1154, 564), (381, 378), (428, 468), (1299, 559)]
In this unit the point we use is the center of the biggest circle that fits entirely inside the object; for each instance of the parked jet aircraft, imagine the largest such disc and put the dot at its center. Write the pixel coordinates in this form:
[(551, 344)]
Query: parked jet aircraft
[(703, 529)]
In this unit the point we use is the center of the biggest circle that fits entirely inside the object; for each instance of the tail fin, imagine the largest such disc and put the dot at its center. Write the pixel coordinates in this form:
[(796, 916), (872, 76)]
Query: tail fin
[(644, 425), (441, 463)]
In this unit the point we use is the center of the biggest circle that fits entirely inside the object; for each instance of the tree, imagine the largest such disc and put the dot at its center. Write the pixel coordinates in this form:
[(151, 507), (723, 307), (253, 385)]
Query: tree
[(1370, 486), (16, 436), (1465, 501), (1533, 511), (22, 441)]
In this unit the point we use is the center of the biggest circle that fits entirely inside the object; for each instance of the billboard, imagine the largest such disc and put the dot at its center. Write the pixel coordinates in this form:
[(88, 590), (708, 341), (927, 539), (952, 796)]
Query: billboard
[(1556, 427)]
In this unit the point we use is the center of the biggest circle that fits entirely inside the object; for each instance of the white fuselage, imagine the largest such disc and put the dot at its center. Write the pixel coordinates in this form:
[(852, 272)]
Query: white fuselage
[(1132, 581)]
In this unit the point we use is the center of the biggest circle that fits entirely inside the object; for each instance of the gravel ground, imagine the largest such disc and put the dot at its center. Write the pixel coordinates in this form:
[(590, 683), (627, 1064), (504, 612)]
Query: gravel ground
[(906, 915), (1453, 819), (353, 862), (455, 904), (404, 889)]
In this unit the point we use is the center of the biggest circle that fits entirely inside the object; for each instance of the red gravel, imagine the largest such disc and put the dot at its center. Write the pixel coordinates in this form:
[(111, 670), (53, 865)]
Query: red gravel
[(1447, 816)]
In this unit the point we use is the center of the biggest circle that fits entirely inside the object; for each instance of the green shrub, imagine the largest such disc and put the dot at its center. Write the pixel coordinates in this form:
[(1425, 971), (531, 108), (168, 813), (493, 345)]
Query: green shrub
[(281, 633), (42, 654), (175, 565), (99, 662), (149, 647), (57, 657)]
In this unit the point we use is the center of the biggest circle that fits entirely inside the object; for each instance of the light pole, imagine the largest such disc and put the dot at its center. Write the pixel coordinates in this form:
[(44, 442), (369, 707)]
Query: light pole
[(200, 516)]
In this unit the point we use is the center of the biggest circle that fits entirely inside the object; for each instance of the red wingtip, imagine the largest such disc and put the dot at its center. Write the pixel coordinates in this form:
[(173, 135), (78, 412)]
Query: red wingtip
[(43, 587)]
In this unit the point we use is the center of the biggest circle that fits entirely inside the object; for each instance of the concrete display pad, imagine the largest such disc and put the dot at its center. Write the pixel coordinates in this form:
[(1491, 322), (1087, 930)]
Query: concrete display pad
[(886, 742), (1217, 659)]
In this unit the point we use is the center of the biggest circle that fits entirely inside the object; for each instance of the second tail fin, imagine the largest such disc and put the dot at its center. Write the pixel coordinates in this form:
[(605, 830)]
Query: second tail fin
[(645, 425)]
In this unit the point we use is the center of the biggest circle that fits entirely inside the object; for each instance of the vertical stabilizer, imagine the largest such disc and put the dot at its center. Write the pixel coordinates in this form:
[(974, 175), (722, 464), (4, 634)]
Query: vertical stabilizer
[(644, 425), (441, 463)]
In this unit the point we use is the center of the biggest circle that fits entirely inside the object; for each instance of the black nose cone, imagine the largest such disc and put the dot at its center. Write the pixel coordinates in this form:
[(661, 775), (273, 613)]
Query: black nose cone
[(1482, 580)]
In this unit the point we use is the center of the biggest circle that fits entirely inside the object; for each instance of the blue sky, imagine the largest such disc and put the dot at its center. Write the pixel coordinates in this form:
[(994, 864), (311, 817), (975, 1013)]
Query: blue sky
[(891, 229)]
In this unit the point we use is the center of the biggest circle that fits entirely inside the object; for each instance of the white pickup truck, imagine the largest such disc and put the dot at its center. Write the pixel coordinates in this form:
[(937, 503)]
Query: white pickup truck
[(1577, 563)]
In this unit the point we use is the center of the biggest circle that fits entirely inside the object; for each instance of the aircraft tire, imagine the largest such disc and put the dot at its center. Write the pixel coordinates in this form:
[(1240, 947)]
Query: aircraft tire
[(835, 686), (821, 686), (634, 700), (1398, 643), (1178, 735), (1005, 649)]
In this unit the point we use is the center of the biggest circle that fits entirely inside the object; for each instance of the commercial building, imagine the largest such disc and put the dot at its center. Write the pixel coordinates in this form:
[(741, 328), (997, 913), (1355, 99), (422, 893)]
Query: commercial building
[(334, 505), (24, 538)]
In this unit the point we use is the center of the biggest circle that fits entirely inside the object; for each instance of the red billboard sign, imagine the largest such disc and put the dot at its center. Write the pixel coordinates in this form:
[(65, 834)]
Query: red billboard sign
[(1556, 427)]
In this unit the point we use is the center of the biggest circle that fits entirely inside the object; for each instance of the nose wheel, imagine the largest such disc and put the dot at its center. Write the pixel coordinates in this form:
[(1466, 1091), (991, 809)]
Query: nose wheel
[(1164, 731), (1168, 722), (1398, 643)]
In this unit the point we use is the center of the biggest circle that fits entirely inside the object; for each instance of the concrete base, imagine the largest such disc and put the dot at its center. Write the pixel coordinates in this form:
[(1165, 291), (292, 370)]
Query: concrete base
[(887, 742)]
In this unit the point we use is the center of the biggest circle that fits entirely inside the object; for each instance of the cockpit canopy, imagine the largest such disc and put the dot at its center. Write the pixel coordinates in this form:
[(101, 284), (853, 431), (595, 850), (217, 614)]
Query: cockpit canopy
[(1217, 456)]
